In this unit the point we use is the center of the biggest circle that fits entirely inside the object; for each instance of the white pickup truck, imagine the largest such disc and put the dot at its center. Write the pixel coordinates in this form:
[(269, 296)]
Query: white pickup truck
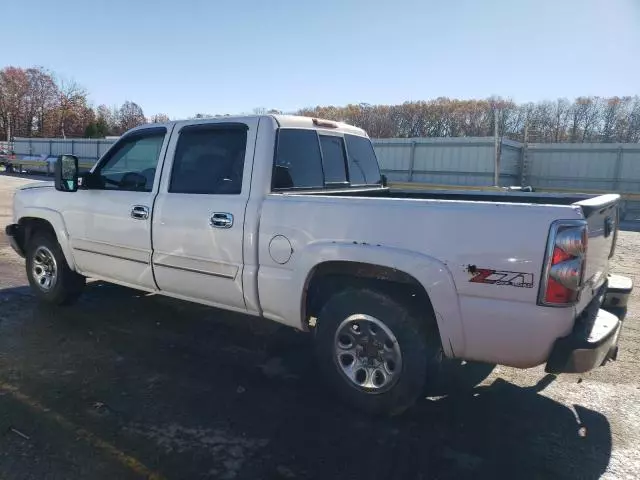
[(289, 219)]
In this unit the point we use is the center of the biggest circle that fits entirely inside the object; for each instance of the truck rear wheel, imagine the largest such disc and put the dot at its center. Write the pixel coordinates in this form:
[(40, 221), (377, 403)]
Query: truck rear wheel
[(374, 352), (48, 272)]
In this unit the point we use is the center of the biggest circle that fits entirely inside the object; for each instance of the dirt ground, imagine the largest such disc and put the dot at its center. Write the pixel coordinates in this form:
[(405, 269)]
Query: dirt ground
[(129, 385)]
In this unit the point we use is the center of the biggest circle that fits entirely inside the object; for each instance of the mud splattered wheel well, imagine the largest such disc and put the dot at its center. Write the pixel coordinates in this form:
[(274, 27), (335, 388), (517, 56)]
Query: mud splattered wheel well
[(332, 277), (31, 226)]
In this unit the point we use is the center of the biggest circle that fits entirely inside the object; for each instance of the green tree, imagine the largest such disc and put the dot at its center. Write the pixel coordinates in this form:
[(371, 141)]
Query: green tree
[(91, 130), (102, 127)]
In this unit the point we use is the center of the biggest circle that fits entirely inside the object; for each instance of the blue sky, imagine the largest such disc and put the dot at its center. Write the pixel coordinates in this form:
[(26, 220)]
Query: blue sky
[(181, 58)]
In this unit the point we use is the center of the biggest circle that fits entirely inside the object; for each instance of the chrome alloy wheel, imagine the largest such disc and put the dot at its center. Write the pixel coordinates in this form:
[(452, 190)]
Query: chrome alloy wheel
[(367, 353), (44, 268)]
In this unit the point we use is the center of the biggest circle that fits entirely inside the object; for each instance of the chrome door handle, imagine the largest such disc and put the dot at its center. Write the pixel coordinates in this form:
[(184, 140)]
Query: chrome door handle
[(140, 212), (221, 220)]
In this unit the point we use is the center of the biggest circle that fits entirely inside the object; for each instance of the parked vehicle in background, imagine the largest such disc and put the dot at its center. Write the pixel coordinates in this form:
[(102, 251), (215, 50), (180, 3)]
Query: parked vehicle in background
[(5, 164), (5, 160), (288, 219), (34, 164), (43, 163)]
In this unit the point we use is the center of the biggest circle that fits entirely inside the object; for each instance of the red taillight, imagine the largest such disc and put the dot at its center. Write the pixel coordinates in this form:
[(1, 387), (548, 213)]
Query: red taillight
[(559, 255), (557, 293), (564, 264)]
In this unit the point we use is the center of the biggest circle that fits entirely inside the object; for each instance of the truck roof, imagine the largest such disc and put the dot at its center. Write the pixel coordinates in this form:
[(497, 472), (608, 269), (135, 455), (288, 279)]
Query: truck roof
[(297, 121), (285, 121)]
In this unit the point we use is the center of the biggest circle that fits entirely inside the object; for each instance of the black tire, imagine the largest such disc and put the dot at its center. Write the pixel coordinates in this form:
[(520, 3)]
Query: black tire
[(416, 337), (68, 284)]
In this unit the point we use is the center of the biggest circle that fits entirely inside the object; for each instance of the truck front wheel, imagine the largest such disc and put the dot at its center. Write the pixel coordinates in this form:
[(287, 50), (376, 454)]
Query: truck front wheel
[(375, 352), (48, 272)]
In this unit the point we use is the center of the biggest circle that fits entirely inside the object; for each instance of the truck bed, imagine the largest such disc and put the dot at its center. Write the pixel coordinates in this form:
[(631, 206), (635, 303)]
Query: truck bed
[(599, 212), (507, 196)]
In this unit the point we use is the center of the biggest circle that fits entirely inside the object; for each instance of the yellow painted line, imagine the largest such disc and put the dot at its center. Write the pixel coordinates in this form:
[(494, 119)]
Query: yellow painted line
[(127, 461)]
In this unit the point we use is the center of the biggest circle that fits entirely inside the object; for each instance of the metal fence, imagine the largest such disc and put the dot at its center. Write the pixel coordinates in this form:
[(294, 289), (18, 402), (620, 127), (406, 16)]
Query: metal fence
[(454, 161), (88, 150), (613, 167), (448, 161), (469, 162)]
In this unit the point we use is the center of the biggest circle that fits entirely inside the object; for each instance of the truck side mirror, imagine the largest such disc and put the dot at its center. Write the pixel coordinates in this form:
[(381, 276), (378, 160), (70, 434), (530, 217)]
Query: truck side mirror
[(66, 173)]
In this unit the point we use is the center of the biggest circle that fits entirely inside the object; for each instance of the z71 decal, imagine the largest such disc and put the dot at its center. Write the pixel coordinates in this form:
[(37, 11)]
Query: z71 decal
[(500, 277)]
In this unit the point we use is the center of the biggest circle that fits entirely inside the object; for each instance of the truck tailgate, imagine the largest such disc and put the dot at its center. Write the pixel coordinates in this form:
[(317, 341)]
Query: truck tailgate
[(601, 214)]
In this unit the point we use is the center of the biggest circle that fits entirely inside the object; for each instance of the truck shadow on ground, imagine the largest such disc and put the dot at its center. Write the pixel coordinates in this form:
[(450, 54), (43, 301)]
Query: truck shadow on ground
[(193, 392)]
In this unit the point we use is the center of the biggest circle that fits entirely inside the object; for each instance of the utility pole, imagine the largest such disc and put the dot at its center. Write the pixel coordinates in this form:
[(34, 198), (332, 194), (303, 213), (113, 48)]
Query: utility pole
[(8, 132), (496, 139), (524, 166)]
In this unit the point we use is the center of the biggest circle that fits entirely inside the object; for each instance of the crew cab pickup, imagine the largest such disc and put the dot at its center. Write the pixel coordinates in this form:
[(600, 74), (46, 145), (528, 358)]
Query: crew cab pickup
[(289, 219)]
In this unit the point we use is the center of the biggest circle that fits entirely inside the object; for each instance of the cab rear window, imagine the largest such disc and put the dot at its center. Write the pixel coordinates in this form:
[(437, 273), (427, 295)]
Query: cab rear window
[(363, 165), (307, 159)]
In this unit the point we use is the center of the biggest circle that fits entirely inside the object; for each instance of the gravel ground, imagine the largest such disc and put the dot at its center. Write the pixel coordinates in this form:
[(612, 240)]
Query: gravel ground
[(129, 385)]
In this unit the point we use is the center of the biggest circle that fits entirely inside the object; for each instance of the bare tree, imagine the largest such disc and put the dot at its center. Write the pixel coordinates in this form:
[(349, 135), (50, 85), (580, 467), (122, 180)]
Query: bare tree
[(546, 121), (14, 88), (540, 121), (561, 118), (610, 118), (159, 118), (585, 114), (43, 96), (131, 115), (72, 102), (38, 105), (633, 128), (592, 118)]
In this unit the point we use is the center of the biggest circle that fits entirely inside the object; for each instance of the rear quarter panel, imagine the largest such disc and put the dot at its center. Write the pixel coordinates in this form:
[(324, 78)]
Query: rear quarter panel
[(453, 240)]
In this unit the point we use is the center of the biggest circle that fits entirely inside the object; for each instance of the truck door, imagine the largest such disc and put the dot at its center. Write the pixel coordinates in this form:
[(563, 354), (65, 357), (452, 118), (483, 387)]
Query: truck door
[(110, 223), (198, 219)]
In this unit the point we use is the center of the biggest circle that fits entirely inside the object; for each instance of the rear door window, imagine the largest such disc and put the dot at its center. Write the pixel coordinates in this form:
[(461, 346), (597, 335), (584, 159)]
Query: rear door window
[(298, 163), (209, 159)]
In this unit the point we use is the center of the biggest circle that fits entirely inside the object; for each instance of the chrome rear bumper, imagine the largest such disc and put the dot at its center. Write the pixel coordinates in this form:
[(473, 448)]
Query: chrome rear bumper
[(594, 339)]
